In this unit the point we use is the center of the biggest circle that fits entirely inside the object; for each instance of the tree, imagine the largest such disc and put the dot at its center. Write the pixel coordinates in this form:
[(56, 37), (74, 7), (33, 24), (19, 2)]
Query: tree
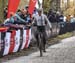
[(46, 5), (2, 5), (1, 10)]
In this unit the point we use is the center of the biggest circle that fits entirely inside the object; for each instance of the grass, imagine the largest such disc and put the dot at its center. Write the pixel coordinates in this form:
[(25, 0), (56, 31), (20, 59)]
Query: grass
[(60, 37), (67, 35)]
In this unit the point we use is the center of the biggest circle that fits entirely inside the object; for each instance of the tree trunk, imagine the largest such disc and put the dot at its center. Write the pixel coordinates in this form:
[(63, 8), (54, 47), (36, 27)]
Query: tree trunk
[(46, 5), (2, 5)]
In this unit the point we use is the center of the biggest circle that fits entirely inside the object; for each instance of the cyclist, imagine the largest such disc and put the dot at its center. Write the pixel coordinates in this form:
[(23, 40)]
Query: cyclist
[(40, 20)]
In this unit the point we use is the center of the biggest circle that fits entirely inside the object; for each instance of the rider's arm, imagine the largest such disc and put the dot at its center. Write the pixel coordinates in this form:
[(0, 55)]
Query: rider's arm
[(48, 22)]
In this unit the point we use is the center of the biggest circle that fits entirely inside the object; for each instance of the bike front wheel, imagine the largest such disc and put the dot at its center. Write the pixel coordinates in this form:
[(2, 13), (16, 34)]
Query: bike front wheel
[(40, 45)]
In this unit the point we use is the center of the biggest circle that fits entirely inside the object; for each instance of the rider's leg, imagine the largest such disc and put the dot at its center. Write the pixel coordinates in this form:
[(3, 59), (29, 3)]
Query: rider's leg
[(44, 40), (37, 39), (44, 43), (38, 30)]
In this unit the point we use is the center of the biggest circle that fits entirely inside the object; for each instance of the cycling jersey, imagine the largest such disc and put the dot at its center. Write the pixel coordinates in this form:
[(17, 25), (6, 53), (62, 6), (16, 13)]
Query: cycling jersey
[(41, 20)]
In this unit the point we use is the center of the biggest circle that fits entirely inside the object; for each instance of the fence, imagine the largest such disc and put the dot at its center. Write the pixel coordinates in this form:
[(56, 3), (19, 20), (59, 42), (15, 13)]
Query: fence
[(14, 41), (66, 27), (17, 40)]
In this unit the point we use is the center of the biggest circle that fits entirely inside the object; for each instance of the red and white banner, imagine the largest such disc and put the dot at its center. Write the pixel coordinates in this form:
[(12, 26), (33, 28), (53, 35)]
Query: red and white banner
[(7, 43), (12, 41), (26, 38), (2, 40), (24, 35), (12, 6), (32, 4), (17, 41)]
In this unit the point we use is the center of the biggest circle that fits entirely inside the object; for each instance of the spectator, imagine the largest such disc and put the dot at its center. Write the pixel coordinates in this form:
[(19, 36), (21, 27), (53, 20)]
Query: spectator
[(64, 18), (5, 12), (50, 12), (15, 18), (68, 18), (23, 13), (19, 12), (26, 16), (52, 18), (61, 18), (9, 20), (72, 20)]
